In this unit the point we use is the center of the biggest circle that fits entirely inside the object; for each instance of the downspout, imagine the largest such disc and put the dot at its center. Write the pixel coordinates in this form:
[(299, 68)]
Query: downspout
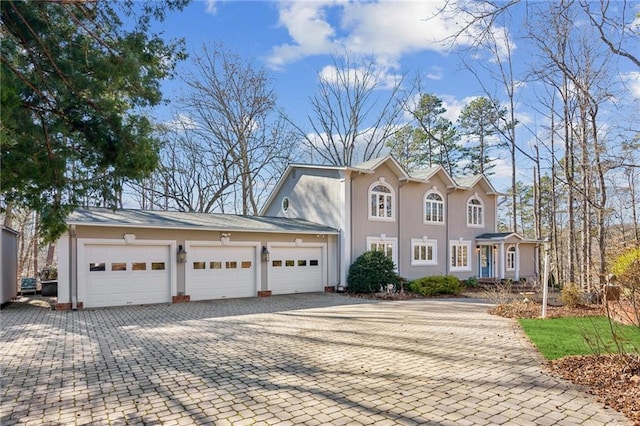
[(399, 249), (339, 253), (446, 232), (350, 224)]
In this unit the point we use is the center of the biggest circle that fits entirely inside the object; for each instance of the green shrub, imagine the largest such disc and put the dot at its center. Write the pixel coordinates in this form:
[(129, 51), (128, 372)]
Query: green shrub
[(436, 285), (571, 295), (471, 282), (372, 271)]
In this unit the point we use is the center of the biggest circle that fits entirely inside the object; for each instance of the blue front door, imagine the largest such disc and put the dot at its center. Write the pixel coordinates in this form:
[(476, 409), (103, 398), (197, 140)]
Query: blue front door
[(486, 262)]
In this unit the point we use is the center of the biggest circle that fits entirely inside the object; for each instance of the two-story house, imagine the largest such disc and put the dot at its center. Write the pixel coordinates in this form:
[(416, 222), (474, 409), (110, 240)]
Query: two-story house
[(427, 222), (317, 221)]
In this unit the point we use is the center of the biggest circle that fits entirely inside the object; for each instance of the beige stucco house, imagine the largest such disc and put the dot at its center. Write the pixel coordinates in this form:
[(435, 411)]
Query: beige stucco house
[(428, 222)]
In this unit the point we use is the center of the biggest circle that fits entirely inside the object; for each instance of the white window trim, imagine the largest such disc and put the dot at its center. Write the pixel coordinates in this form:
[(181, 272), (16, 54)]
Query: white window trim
[(422, 242), (424, 209), (393, 202), (509, 253), (386, 240), (482, 211), (453, 268)]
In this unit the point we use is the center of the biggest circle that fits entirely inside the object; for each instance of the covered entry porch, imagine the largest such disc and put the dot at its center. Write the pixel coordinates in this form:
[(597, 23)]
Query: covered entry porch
[(506, 255)]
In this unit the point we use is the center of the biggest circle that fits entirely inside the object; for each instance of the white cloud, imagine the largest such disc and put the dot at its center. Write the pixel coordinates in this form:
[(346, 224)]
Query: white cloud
[(181, 122), (632, 82), (435, 73), (375, 78), (501, 169), (307, 25), (386, 29), (211, 6), (454, 105)]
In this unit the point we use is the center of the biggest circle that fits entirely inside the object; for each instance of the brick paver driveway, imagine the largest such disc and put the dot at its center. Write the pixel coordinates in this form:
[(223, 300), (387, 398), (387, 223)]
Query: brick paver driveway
[(300, 359)]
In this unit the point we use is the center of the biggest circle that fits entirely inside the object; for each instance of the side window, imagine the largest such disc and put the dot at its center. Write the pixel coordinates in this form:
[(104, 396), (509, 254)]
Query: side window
[(511, 258)]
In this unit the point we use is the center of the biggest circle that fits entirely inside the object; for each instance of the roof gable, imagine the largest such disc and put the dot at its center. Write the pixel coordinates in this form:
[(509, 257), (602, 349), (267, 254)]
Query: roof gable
[(469, 182), (426, 174), (389, 160)]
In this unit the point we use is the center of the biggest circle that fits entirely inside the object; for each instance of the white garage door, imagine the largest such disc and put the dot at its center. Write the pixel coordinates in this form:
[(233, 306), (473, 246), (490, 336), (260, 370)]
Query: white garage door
[(117, 275), (221, 272), (295, 270)]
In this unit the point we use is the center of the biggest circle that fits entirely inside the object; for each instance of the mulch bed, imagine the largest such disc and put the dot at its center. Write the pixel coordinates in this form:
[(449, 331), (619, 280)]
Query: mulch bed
[(613, 379)]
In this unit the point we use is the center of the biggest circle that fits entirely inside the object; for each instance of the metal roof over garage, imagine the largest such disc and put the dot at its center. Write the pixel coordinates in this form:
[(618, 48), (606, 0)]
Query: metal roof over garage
[(187, 220)]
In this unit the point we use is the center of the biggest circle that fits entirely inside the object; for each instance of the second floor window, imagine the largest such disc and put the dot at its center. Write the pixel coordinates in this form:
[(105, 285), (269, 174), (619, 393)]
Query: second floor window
[(381, 202), (433, 208), (475, 212)]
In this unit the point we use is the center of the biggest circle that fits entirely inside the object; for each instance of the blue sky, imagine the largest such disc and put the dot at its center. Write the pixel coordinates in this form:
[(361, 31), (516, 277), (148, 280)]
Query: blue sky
[(294, 41)]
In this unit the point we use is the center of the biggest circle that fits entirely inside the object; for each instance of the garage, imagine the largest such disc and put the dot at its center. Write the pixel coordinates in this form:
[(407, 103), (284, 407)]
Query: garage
[(121, 274), (218, 272), (135, 257), (296, 269)]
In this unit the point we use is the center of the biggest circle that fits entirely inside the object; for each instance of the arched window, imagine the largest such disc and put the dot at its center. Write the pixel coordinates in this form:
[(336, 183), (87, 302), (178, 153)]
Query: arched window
[(433, 208), (475, 212), (381, 202)]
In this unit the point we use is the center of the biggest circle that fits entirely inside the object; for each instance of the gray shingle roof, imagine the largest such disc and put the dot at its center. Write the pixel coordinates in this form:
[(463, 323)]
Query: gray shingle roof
[(424, 173), (185, 220), (496, 236)]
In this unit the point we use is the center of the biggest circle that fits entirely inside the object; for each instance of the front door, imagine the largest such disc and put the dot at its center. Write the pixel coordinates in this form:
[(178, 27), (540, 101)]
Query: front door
[(486, 262)]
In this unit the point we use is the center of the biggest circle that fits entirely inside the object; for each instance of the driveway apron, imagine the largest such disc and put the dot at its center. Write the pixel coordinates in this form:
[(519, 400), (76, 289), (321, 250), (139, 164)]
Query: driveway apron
[(288, 360)]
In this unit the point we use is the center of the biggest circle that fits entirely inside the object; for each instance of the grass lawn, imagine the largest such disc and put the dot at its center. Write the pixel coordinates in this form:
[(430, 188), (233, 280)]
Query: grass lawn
[(560, 337)]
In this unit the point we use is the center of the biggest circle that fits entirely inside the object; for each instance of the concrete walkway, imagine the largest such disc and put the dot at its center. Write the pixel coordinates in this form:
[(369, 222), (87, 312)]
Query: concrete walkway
[(287, 360)]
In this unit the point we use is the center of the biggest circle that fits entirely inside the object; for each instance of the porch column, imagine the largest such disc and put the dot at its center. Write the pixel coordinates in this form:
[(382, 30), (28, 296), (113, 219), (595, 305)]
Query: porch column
[(502, 261), (516, 263)]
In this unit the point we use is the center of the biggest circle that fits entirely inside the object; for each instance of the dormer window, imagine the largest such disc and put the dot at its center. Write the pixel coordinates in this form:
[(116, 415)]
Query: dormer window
[(433, 208), (475, 212), (381, 202)]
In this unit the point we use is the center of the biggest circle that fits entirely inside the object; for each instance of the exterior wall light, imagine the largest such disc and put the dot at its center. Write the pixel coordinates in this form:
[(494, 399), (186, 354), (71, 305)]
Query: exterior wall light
[(265, 254), (182, 255)]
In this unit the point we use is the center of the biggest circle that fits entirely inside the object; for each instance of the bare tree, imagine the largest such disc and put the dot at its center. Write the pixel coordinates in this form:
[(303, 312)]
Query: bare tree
[(230, 143), (351, 117), (618, 33)]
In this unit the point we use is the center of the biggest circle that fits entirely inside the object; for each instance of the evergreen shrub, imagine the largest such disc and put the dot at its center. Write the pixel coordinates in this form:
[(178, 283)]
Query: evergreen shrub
[(372, 271), (436, 285)]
